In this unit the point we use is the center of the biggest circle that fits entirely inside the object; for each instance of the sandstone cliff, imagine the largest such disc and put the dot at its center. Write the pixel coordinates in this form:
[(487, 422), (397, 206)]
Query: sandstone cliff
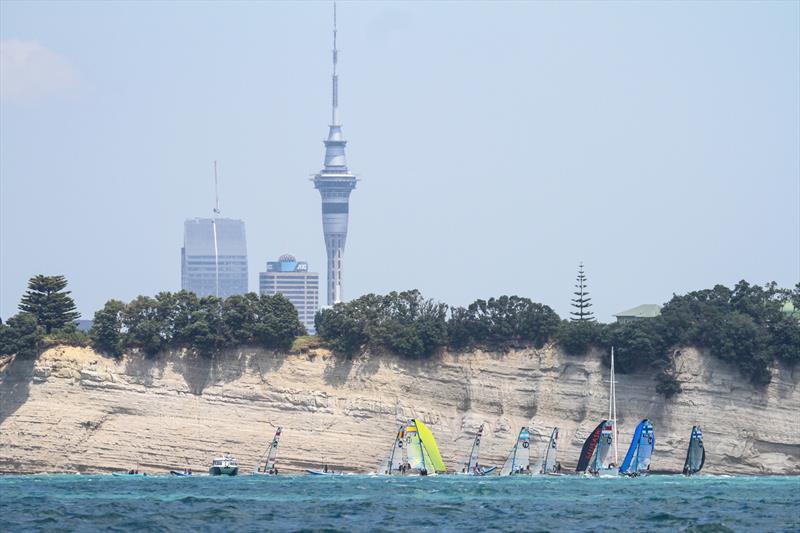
[(74, 410)]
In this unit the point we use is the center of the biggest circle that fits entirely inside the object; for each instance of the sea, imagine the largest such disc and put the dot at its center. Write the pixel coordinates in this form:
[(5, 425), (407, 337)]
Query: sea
[(372, 503)]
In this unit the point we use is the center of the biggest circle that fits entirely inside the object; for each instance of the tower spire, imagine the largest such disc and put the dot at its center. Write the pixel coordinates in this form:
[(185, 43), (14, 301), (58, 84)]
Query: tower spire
[(335, 88), (334, 183)]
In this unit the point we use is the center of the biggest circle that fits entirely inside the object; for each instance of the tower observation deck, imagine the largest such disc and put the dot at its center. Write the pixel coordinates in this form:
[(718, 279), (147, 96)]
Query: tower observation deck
[(334, 183)]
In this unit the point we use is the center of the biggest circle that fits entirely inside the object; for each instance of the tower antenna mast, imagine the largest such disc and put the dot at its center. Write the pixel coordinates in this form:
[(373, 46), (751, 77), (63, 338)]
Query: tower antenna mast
[(335, 80), (216, 190)]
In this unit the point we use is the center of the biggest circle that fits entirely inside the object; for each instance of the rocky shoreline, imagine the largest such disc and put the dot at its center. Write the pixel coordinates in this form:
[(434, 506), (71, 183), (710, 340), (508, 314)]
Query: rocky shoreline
[(73, 410)]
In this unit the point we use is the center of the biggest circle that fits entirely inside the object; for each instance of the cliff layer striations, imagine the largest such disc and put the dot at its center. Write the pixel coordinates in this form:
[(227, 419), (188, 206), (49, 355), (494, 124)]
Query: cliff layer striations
[(74, 410)]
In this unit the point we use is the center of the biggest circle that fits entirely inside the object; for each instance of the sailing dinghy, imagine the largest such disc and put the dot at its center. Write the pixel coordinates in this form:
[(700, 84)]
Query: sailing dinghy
[(414, 448), (519, 460), (324, 472), (596, 458), (423, 453), (637, 460), (397, 457), (471, 466), (268, 460), (696, 454), (549, 464)]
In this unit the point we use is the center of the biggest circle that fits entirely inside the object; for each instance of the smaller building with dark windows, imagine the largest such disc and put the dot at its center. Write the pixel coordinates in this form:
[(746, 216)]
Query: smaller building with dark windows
[(291, 278)]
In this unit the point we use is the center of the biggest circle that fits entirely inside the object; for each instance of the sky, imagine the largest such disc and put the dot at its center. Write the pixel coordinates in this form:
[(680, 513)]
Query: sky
[(498, 144)]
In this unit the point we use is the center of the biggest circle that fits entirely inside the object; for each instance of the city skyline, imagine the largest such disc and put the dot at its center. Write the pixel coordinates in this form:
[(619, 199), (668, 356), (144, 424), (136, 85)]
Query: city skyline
[(501, 151)]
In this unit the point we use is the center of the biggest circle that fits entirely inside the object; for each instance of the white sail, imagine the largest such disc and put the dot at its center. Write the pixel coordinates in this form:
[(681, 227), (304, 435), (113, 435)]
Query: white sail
[(272, 454), (472, 460), (518, 461), (396, 456), (603, 456), (549, 465)]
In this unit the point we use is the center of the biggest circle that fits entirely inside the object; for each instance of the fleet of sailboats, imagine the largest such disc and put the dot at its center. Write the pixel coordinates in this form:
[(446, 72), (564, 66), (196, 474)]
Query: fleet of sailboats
[(414, 451)]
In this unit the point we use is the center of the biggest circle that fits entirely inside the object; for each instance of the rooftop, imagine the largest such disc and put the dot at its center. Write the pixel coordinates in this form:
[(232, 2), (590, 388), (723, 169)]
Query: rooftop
[(642, 311)]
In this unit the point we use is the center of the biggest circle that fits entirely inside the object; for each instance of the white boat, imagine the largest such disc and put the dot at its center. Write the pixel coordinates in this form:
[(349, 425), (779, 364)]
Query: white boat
[(596, 458), (224, 466), (324, 472), (267, 465), (549, 464), (471, 466), (398, 458), (414, 452), (519, 460)]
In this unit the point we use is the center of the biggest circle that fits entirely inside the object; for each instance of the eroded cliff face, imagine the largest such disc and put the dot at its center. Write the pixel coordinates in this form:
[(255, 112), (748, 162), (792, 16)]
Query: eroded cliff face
[(74, 410)]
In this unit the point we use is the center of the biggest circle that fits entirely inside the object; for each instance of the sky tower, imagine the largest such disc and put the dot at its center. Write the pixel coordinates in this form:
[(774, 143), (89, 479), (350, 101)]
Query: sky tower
[(335, 183)]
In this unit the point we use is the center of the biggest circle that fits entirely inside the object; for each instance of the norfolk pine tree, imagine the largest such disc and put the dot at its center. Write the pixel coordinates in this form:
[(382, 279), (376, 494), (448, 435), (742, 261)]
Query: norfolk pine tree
[(47, 300), (582, 302)]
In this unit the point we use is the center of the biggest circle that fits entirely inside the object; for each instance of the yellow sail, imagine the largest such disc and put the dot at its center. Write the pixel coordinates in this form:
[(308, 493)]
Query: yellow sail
[(431, 449)]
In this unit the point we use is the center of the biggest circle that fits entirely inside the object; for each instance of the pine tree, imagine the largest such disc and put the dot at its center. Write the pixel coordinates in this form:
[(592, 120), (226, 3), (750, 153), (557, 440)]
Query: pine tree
[(582, 302), (47, 300)]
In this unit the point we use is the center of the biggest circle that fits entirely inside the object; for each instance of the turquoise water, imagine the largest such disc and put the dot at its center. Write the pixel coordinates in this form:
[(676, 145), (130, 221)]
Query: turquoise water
[(365, 503)]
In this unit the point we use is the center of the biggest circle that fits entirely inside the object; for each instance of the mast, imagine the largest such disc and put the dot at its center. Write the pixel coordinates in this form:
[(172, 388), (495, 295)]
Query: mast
[(612, 409), (335, 78)]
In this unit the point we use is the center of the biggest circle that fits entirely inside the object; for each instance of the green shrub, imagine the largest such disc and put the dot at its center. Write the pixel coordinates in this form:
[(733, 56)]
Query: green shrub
[(21, 335), (502, 321), (575, 337)]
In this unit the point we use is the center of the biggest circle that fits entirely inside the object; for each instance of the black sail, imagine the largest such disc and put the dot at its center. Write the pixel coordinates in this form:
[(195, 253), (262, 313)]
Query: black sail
[(588, 447)]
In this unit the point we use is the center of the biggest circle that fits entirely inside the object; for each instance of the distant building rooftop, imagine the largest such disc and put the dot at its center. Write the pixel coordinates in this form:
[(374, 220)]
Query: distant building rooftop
[(639, 312), (790, 310)]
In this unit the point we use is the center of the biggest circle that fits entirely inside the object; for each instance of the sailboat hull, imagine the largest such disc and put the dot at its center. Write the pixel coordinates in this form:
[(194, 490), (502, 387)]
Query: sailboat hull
[(486, 472), (607, 472)]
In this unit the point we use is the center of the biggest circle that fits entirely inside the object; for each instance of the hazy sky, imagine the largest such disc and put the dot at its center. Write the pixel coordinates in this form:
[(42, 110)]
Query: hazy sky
[(499, 144)]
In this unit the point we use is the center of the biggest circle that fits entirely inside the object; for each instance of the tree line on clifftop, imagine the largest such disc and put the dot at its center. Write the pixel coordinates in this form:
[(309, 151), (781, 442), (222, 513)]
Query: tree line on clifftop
[(743, 325)]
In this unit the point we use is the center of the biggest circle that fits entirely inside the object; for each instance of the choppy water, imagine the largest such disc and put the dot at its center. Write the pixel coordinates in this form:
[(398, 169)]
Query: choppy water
[(365, 503)]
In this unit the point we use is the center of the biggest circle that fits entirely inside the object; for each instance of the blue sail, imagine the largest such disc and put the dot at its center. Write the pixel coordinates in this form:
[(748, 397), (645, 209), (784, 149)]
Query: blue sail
[(637, 460)]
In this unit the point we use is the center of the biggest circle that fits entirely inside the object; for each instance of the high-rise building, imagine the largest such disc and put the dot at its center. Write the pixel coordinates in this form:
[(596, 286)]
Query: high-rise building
[(214, 257), (335, 183), (291, 278)]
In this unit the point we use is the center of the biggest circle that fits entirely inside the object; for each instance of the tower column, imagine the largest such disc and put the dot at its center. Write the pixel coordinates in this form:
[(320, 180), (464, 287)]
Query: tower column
[(335, 183)]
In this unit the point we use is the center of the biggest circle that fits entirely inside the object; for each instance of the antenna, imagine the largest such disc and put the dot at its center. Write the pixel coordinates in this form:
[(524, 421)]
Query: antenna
[(216, 190), (335, 98)]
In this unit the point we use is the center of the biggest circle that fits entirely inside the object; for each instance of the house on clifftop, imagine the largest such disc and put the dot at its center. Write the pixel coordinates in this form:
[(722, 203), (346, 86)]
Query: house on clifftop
[(640, 312)]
